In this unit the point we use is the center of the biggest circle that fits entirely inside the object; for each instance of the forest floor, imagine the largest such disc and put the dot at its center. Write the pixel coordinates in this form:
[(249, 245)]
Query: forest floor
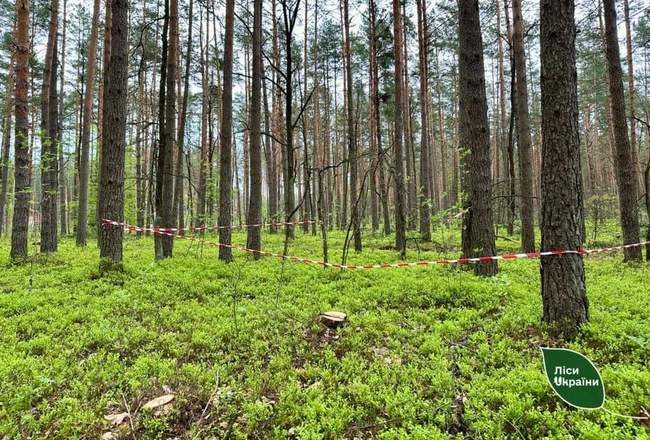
[(425, 353)]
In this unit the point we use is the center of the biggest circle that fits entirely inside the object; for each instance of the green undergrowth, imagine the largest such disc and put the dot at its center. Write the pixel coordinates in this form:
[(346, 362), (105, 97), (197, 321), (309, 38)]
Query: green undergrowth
[(426, 353)]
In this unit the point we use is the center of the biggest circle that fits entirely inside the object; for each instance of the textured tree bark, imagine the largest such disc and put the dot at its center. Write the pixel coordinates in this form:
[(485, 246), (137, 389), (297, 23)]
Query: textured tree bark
[(398, 159), (111, 179), (474, 140), (351, 132), (253, 240), (49, 160), (179, 205), (631, 92), (628, 189), (289, 16), (225, 158), (372, 126), (276, 127), (63, 208), (269, 159), (523, 130), (510, 139), (425, 197), (646, 182), (563, 279), (48, 137), (437, 157), (140, 164), (165, 175), (84, 166), (201, 189), (161, 147), (22, 155), (306, 211), (376, 113), (103, 100), (501, 135), (318, 155), (409, 143), (6, 142)]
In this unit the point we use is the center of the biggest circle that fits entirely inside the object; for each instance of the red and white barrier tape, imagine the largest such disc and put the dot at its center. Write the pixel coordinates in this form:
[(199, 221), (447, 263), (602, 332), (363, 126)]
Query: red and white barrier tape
[(402, 264), (173, 231)]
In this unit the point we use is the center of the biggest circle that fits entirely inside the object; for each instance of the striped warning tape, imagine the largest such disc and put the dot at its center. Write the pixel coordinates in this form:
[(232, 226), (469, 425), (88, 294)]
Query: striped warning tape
[(155, 230), (401, 264)]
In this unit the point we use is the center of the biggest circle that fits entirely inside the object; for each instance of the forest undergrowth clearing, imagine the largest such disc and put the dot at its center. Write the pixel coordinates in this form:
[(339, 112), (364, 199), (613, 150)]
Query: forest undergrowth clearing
[(424, 352)]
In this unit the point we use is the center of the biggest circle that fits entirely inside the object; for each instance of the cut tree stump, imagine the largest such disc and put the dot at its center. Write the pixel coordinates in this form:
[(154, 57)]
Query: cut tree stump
[(333, 319)]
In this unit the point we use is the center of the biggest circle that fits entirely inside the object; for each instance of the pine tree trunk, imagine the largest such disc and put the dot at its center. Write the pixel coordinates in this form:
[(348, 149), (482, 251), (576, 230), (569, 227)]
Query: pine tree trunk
[(140, 161), (111, 179), (501, 135), (201, 189), (289, 14), (563, 278), (165, 172), (161, 150), (179, 205), (398, 159), (523, 131), (425, 197), (63, 209), (626, 169), (409, 144), (22, 155), (276, 127), (84, 159), (510, 140), (353, 160), (443, 186), (376, 113), (372, 125), (6, 142), (253, 240), (49, 173), (318, 155), (631, 92), (225, 158), (438, 180), (103, 100), (474, 139), (269, 158)]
